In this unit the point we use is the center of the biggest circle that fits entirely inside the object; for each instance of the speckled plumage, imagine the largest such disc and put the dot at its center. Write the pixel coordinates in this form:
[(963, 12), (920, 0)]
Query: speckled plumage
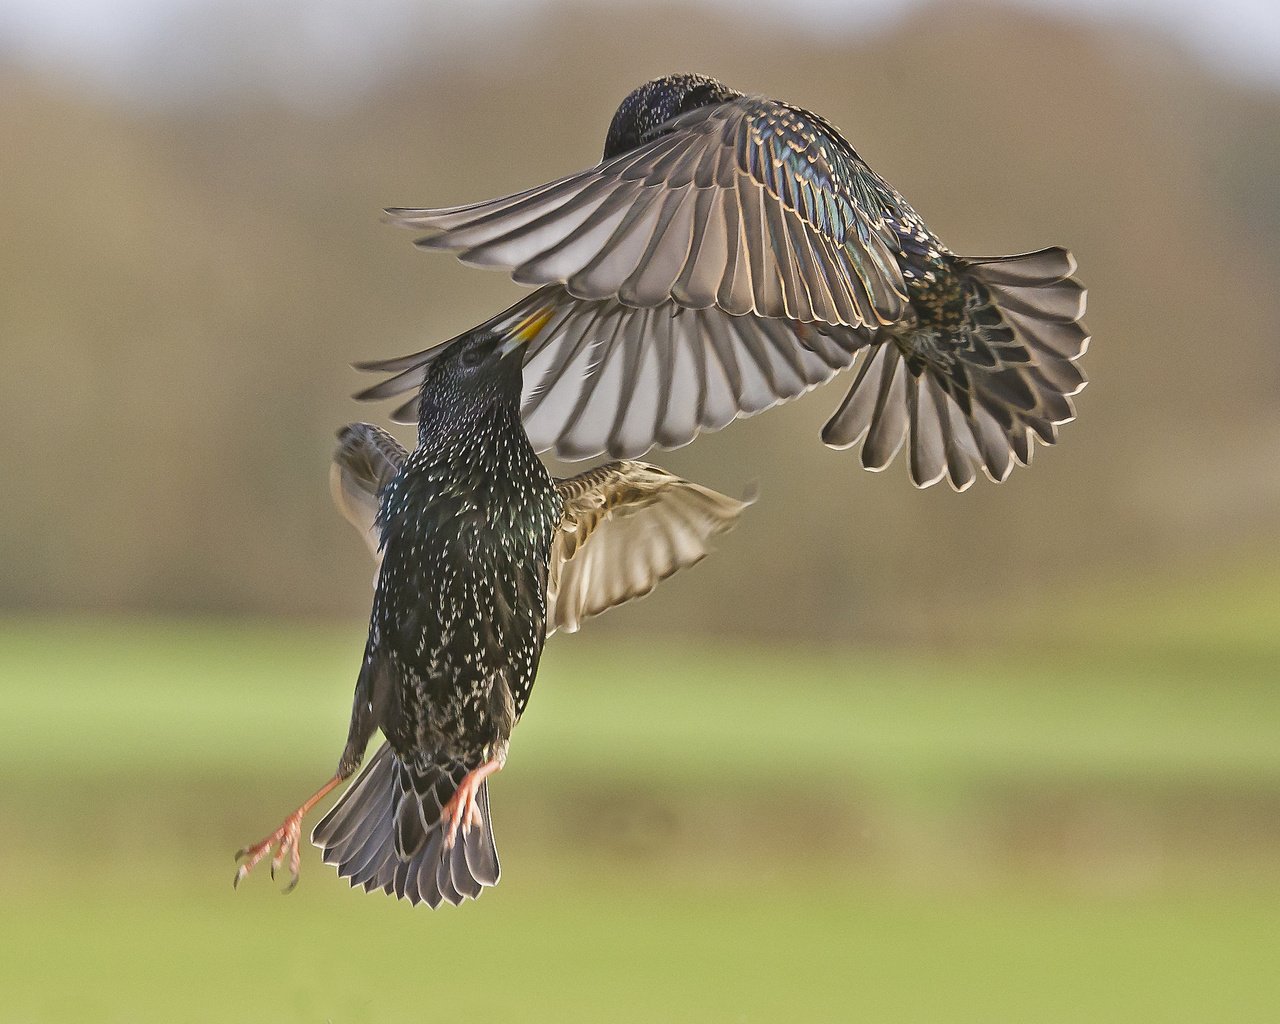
[(482, 554), (458, 623), (731, 252), (459, 611)]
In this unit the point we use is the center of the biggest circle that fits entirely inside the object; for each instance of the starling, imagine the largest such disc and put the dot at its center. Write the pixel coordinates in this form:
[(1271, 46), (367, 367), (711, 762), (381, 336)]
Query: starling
[(731, 252), (481, 555)]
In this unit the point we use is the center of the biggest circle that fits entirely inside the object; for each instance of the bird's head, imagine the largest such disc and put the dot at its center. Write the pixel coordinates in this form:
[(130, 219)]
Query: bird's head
[(642, 115), (479, 373), (477, 363), (471, 376)]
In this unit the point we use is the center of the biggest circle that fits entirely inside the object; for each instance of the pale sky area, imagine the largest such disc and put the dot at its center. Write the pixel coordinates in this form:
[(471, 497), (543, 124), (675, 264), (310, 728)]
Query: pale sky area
[(172, 47)]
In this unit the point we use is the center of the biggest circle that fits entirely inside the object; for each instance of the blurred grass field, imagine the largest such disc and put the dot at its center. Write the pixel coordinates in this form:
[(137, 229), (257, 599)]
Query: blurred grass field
[(1082, 825)]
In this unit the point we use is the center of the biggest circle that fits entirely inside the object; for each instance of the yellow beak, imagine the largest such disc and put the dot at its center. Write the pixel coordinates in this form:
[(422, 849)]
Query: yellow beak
[(526, 330)]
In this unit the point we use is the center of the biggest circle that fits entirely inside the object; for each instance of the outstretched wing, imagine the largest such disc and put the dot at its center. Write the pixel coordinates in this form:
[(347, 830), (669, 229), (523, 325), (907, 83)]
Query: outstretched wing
[(365, 460), (627, 526), (751, 206), (603, 377)]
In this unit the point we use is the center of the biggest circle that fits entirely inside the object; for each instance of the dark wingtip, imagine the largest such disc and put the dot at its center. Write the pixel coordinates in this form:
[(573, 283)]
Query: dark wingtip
[(406, 414), (369, 394)]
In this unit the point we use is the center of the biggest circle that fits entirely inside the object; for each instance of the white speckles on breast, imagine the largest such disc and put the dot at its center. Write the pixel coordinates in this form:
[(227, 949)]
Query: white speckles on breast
[(460, 608)]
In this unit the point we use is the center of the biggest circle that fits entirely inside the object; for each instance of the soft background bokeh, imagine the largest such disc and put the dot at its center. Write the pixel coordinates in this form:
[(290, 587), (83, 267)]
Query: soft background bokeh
[(889, 755)]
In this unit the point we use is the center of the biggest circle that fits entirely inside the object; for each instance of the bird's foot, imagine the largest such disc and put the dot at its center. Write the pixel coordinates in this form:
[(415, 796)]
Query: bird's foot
[(287, 841), (462, 811)]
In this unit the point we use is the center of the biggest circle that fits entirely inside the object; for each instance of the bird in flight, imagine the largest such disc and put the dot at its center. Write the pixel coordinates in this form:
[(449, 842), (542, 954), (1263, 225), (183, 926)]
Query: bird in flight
[(481, 554), (731, 252)]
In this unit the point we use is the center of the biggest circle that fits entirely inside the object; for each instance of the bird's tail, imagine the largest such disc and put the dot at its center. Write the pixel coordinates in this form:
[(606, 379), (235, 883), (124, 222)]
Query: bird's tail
[(385, 833), (988, 363)]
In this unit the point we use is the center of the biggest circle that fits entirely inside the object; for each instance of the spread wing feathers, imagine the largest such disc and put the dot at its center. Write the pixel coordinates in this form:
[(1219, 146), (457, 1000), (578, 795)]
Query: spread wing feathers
[(750, 206), (626, 526), (364, 461), (384, 833), (602, 377), (972, 395), (642, 522)]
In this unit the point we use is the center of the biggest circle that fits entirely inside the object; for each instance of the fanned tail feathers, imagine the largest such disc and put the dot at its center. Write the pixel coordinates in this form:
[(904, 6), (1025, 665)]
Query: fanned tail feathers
[(385, 833), (969, 391)]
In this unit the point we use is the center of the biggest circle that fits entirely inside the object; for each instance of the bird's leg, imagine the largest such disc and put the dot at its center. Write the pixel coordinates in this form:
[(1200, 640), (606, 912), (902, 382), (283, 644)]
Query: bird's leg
[(462, 811), (287, 839)]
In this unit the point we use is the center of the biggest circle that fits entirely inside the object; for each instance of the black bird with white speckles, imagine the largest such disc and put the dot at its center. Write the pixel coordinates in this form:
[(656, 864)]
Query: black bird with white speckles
[(459, 613), (731, 252), (481, 552)]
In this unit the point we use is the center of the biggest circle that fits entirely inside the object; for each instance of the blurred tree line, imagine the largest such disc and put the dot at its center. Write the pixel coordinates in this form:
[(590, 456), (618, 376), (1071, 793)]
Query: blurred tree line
[(183, 287)]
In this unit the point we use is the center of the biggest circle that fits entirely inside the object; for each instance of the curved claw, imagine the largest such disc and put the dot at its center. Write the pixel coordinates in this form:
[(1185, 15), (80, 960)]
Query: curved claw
[(284, 841), (287, 839)]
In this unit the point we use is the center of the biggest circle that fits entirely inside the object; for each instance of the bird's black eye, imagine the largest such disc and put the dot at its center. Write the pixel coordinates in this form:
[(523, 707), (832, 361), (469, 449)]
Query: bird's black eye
[(472, 358)]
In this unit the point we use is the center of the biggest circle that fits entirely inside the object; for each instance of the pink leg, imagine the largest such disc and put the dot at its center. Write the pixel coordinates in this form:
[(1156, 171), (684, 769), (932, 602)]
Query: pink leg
[(462, 810), (288, 836)]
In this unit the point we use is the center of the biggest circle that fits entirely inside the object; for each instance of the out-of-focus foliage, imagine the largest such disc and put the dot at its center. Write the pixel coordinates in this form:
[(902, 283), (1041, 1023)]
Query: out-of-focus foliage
[(182, 289)]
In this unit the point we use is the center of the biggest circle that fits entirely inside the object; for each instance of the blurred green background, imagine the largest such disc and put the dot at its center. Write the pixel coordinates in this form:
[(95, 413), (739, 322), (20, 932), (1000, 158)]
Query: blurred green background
[(888, 755)]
